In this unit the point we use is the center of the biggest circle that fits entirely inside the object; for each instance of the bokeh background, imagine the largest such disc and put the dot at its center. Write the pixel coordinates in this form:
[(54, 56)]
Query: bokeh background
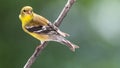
[(94, 25)]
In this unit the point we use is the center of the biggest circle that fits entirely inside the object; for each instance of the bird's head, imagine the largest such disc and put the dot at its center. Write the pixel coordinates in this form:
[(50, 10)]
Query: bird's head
[(26, 14), (27, 10)]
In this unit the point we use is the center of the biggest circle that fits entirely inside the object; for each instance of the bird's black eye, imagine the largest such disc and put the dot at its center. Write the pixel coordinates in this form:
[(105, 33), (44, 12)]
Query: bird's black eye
[(24, 10)]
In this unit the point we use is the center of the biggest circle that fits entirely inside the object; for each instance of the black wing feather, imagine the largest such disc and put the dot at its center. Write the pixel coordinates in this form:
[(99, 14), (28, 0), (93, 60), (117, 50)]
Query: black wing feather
[(32, 29), (41, 29)]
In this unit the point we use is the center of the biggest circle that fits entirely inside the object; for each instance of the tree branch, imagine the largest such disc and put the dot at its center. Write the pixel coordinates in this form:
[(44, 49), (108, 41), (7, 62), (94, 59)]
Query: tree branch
[(57, 23), (64, 12)]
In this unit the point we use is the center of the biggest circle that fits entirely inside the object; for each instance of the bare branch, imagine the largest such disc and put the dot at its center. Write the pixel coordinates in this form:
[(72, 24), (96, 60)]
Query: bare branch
[(64, 12), (57, 23), (37, 51)]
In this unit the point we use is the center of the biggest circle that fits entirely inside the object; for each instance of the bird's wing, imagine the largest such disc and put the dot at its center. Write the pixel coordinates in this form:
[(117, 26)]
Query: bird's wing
[(40, 20), (41, 29), (57, 30)]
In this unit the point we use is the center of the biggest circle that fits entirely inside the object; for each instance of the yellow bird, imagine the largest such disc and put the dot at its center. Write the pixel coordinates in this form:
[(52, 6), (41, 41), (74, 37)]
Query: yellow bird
[(42, 29)]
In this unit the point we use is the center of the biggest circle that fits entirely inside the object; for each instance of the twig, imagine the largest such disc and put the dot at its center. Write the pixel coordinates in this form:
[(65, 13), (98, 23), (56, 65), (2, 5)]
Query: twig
[(57, 23), (37, 51), (64, 12)]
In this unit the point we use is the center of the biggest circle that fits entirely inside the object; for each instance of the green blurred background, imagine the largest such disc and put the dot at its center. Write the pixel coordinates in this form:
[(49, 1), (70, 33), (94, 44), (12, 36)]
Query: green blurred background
[(94, 25)]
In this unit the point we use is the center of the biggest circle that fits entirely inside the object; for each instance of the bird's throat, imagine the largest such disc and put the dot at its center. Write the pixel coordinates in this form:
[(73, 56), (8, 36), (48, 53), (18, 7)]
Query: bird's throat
[(26, 19)]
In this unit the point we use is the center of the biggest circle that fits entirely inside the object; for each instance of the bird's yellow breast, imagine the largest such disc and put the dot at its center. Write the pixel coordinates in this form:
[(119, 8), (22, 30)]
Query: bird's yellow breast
[(25, 19)]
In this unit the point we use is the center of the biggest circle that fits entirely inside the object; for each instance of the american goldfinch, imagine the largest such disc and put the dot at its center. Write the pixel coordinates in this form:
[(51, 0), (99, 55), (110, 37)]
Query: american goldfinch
[(41, 28)]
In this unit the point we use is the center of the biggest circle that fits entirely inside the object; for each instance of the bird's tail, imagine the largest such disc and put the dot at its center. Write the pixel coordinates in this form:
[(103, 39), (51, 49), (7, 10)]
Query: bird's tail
[(69, 44)]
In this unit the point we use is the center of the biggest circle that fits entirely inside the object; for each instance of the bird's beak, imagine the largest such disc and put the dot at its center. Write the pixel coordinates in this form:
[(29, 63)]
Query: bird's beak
[(29, 12)]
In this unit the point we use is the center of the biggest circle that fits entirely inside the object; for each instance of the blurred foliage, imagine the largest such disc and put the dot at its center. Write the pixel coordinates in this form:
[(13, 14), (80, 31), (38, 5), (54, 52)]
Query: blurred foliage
[(92, 24)]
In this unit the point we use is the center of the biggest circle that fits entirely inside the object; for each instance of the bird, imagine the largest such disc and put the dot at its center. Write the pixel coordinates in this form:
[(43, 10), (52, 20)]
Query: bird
[(42, 29)]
